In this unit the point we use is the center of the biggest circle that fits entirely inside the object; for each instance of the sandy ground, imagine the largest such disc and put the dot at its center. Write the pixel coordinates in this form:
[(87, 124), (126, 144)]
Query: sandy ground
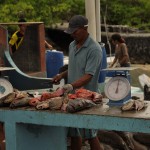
[(141, 69)]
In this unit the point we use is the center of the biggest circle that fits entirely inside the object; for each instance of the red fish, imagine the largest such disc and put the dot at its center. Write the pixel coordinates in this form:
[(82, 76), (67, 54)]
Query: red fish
[(34, 101), (48, 95), (86, 94)]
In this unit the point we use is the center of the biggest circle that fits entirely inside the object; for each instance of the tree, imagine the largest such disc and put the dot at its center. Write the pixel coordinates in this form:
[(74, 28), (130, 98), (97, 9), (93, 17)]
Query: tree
[(48, 11), (125, 12)]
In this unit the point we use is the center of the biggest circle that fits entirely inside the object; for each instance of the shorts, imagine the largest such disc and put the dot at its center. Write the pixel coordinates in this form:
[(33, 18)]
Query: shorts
[(84, 133)]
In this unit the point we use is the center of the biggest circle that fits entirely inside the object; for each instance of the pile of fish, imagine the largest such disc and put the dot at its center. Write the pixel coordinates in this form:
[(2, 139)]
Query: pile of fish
[(86, 94), (15, 99), (56, 100), (137, 104)]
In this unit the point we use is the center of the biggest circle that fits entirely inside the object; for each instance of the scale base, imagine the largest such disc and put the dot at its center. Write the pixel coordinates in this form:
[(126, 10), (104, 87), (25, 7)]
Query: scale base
[(120, 102)]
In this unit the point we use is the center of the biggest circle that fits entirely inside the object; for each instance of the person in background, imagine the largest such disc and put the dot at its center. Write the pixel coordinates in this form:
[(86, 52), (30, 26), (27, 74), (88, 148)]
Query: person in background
[(85, 56), (49, 46), (121, 51), (17, 37)]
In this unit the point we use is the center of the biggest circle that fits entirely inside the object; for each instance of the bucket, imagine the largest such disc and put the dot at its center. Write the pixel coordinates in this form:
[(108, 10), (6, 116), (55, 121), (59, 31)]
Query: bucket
[(54, 61), (103, 64)]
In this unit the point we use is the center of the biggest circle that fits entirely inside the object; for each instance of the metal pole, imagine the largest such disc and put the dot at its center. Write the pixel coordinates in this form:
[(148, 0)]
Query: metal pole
[(90, 14), (98, 20)]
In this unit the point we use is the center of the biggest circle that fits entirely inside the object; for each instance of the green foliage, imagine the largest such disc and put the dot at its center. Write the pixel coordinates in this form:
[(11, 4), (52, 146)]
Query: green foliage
[(125, 12), (47, 11)]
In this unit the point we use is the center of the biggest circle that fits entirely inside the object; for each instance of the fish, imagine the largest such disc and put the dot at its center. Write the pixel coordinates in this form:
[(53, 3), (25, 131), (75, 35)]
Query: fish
[(135, 97), (79, 104), (48, 95), (34, 101), (86, 94), (134, 105), (43, 104), (128, 106), (139, 104), (20, 102), (97, 97), (21, 94), (55, 103), (10, 98), (65, 102), (3, 99)]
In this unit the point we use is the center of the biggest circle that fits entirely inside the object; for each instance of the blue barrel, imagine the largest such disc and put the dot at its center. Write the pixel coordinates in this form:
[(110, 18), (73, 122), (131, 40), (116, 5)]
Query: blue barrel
[(103, 64), (54, 61)]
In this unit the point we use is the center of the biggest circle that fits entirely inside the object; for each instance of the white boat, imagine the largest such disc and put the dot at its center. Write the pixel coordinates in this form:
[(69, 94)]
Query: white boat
[(144, 80)]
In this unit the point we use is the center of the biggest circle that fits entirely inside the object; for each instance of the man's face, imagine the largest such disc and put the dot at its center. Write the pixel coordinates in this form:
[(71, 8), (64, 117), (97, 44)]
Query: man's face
[(78, 34), (22, 27)]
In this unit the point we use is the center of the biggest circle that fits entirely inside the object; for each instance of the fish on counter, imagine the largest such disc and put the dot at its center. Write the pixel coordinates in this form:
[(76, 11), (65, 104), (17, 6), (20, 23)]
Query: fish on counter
[(34, 101), (65, 102), (20, 102), (79, 104), (47, 95), (43, 104), (134, 105), (20, 94), (10, 98), (55, 103), (86, 94), (2, 100), (52, 104)]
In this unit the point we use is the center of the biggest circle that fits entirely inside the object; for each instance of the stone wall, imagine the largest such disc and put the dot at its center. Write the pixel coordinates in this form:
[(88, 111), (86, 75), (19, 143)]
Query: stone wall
[(138, 46), (138, 43)]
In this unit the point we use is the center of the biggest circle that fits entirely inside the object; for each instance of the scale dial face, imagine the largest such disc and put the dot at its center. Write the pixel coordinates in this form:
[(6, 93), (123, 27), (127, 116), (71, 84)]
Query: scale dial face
[(5, 87), (117, 88)]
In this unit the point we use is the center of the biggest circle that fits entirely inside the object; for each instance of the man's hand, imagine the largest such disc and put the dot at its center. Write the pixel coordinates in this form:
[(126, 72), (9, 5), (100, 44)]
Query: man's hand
[(56, 79), (67, 88)]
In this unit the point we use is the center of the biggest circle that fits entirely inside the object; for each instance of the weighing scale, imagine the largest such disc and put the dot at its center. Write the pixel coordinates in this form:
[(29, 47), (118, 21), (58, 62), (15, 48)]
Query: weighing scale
[(118, 88), (5, 85)]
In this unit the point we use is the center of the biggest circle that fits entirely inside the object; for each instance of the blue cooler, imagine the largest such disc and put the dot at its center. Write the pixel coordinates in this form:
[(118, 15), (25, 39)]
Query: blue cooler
[(54, 61)]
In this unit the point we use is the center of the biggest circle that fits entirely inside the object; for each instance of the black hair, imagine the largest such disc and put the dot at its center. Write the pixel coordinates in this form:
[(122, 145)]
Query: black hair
[(117, 37), (22, 20)]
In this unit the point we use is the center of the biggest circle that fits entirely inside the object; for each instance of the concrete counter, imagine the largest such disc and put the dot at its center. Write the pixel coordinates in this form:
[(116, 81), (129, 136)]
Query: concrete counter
[(27, 128)]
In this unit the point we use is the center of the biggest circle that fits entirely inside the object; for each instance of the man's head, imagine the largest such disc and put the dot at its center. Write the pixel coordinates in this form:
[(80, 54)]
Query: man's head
[(22, 26), (116, 37), (22, 20), (76, 22)]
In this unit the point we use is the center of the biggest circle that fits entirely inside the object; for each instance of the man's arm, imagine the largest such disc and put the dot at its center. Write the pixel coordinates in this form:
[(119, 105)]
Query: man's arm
[(60, 76), (48, 45), (78, 83), (82, 81)]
